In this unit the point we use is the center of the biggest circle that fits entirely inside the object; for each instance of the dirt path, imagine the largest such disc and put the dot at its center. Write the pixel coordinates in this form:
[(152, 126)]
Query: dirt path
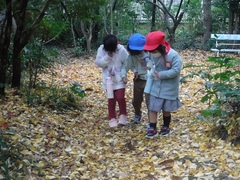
[(80, 145)]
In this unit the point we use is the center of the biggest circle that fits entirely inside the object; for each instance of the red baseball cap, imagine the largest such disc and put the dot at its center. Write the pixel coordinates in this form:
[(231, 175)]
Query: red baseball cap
[(154, 39)]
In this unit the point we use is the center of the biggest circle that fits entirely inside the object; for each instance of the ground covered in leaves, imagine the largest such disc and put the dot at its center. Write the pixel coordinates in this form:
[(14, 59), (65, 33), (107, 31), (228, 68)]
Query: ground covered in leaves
[(80, 145)]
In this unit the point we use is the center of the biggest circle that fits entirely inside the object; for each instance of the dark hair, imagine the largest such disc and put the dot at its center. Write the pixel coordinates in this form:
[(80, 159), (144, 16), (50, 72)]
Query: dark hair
[(133, 52), (110, 43), (162, 49)]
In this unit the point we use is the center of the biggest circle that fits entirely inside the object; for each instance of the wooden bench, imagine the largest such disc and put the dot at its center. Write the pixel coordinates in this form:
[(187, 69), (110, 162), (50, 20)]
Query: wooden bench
[(226, 43)]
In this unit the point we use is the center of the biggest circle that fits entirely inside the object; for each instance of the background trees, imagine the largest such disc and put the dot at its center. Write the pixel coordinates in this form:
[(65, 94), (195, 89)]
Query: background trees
[(171, 15), (207, 20), (80, 25), (25, 22)]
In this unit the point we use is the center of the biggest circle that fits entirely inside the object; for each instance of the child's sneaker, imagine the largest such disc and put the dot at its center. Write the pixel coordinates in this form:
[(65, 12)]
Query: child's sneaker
[(137, 119), (165, 131), (151, 133), (113, 122), (122, 120)]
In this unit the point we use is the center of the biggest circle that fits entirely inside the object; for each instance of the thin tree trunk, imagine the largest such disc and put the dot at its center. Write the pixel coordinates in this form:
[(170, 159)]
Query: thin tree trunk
[(22, 37), (111, 18), (5, 37), (176, 19), (73, 34), (153, 24), (231, 19), (17, 45), (207, 20), (96, 29), (87, 36), (105, 20), (236, 18)]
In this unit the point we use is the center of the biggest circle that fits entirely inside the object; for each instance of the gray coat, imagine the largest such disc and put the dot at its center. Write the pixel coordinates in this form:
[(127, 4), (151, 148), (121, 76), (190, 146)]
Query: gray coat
[(137, 65), (166, 85)]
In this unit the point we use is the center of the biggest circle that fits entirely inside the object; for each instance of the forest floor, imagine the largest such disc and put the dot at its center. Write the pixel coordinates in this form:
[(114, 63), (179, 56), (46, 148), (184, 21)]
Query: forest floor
[(80, 145)]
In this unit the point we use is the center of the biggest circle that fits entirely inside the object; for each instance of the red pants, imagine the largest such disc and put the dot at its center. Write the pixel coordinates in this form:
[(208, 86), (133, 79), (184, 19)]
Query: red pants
[(119, 96)]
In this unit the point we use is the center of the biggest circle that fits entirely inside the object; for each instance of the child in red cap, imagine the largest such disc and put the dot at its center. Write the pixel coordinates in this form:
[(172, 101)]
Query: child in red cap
[(164, 91)]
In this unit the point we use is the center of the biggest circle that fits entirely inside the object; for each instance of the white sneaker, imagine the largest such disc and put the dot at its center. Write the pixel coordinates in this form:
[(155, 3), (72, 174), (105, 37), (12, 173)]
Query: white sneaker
[(113, 122), (122, 119)]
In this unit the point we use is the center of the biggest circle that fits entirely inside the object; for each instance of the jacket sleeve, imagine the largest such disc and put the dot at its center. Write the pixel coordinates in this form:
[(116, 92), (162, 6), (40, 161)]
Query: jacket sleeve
[(125, 62), (126, 66), (174, 71), (102, 59), (148, 61)]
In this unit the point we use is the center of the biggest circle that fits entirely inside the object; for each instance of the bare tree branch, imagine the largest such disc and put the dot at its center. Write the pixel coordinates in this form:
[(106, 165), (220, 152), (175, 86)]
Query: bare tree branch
[(36, 22), (179, 8)]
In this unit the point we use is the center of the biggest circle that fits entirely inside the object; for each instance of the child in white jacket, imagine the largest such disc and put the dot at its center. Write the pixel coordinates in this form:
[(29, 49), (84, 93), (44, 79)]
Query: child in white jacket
[(111, 57)]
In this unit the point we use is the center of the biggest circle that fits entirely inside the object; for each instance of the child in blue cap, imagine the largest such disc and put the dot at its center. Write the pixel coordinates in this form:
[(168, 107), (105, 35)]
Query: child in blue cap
[(138, 61)]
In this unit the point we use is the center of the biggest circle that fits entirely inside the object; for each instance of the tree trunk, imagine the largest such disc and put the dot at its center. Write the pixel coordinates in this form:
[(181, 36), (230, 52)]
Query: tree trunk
[(111, 18), (17, 68), (207, 20), (153, 25), (22, 37), (73, 33), (231, 19), (171, 36), (96, 29), (176, 19), (87, 36), (236, 18), (16, 61), (5, 37), (233, 16)]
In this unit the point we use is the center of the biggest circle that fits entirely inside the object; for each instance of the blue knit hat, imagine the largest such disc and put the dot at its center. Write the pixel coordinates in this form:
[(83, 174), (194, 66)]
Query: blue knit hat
[(136, 42)]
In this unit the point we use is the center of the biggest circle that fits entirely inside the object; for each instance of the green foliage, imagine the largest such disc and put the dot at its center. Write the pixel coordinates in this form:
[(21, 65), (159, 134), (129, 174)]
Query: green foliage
[(57, 98), (84, 10), (50, 28), (61, 99), (221, 91), (193, 18), (36, 59), (4, 155), (185, 39), (9, 155), (76, 89), (2, 5), (191, 27), (220, 14), (78, 50)]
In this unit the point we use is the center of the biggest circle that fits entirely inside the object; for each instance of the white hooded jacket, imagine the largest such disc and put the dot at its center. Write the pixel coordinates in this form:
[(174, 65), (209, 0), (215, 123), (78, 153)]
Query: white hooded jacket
[(111, 66)]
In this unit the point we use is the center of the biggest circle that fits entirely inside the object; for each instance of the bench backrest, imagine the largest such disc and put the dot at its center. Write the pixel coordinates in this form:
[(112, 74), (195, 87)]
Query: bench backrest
[(226, 37)]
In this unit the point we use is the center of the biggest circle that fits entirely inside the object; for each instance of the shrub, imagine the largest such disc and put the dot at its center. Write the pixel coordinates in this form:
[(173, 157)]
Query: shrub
[(37, 58), (56, 98), (10, 158), (221, 92)]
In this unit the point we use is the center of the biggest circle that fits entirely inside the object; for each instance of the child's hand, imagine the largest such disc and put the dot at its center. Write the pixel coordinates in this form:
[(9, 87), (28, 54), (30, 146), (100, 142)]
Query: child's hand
[(148, 68), (155, 75), (124, 80), (110, 54), (136, 76)]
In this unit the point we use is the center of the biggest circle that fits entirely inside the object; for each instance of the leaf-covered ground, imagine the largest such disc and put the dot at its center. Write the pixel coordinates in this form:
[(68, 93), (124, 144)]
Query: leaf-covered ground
[(80, 145)]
